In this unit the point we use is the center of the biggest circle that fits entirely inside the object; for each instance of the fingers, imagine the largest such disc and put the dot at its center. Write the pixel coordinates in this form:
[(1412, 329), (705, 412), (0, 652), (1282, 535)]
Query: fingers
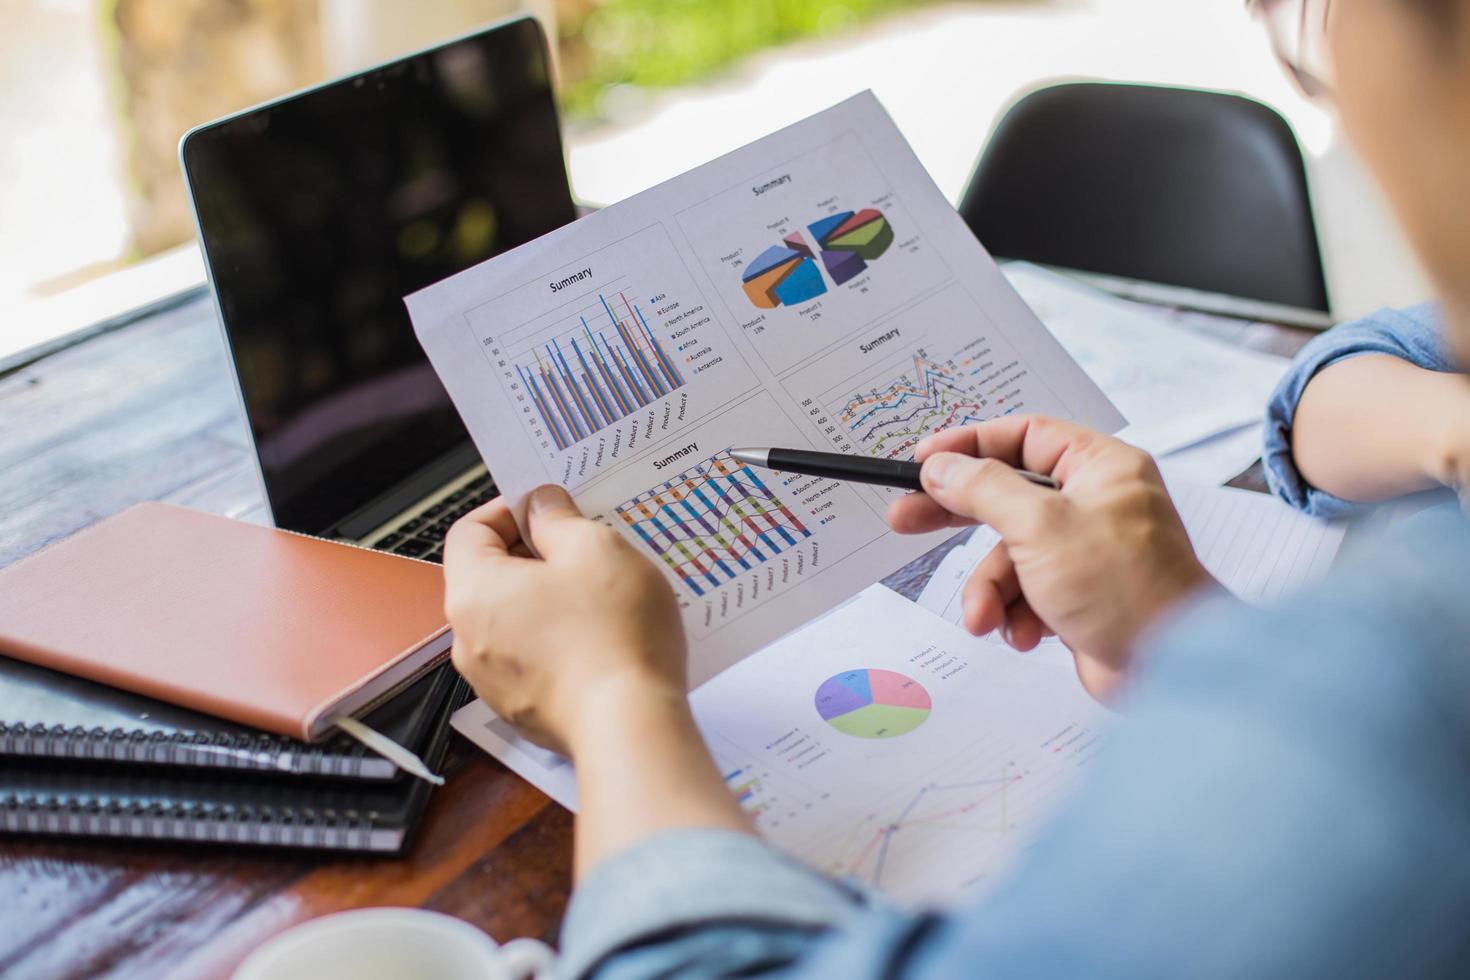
[(987, 491), (993, 600), (487, 531), (917, 513), (1024, 629), (553, 520), (1032, 442), (960, 440), (992, 587)]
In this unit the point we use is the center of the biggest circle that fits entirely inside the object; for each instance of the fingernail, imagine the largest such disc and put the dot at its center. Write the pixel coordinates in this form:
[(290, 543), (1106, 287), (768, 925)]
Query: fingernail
[(938, 468), (543, 498)]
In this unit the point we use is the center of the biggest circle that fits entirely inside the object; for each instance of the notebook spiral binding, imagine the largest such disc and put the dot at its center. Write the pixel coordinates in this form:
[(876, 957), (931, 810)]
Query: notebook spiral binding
[(255, 751), (81, 816)]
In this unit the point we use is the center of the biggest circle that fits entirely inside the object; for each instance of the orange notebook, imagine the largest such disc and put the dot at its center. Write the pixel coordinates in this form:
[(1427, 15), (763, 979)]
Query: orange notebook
[(267, 628)]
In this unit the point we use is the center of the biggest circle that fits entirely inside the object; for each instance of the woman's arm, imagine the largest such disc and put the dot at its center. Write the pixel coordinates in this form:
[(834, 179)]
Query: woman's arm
[(1374, 427), (1410, 337)]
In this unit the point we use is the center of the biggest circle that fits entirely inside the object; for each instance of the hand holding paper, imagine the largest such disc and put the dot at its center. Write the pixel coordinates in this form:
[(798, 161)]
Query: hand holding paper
[(616, 622), (812, 290)]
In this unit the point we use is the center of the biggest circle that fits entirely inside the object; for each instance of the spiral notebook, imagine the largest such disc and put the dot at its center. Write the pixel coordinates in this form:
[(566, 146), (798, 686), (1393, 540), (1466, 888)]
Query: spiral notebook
[(48, 714), (100, 800)]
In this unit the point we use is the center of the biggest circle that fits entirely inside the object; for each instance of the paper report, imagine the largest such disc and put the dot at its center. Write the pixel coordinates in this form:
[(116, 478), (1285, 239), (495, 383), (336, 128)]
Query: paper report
[(814, 290), (879, 743)]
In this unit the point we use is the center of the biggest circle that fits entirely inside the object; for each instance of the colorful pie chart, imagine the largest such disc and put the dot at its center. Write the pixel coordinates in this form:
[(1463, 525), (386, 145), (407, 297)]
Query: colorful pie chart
[(873, 703)]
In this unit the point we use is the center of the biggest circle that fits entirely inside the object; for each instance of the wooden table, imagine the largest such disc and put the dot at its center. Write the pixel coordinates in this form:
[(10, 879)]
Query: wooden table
[(144, 410)]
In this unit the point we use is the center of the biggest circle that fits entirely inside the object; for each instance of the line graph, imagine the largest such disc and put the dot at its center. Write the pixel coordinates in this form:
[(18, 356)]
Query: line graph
[(957, 801), (607, 366), (712, 522), (906, 399), (970, 815)]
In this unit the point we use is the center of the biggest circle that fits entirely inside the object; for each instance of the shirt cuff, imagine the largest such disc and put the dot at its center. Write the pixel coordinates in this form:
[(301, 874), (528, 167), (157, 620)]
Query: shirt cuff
[(1411, 335), (690, 878)]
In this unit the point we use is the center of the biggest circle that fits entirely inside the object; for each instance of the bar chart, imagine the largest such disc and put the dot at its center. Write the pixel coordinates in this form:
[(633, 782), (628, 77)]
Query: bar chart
[(603, 369)]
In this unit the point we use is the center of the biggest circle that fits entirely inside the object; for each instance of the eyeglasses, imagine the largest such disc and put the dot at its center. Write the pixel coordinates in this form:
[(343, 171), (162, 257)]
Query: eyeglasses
[(1298, 32)]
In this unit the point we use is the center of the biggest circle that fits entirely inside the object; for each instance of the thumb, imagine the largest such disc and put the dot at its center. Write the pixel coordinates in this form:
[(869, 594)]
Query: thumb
[(552, 519), (984, 490)]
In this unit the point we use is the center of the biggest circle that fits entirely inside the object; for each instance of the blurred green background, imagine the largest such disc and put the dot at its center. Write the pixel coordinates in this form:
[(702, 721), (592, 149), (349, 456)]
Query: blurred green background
[(660, 43)]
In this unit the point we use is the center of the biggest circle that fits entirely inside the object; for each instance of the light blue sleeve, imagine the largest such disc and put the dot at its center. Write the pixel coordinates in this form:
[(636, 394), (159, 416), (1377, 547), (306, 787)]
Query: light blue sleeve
[(716, 898), (1412, 334), (1288, 796)]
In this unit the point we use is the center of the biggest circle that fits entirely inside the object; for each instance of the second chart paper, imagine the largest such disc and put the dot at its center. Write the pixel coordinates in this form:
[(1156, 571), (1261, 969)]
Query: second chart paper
[(880, 744), (813, 289)]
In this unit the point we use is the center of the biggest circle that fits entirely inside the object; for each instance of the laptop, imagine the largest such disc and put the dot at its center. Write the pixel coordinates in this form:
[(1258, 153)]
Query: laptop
[(317, 214)]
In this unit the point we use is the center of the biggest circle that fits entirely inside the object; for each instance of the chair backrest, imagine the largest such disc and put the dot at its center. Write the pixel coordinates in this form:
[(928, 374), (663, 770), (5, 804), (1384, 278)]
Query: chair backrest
[(1175, 186)]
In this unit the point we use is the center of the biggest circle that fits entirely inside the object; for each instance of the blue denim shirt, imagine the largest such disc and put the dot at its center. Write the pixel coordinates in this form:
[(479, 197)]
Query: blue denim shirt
[(1287, 796), (1412, 334)]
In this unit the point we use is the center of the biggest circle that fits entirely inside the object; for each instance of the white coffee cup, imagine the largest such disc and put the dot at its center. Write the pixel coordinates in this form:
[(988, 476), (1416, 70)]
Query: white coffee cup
[(393, 944)]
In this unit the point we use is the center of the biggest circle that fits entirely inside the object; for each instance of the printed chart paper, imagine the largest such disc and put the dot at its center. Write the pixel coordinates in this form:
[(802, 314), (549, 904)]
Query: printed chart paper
[(880, 744), (811, 290)]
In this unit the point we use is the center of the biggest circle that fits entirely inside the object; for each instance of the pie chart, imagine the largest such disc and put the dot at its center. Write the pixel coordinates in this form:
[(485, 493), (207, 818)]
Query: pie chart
[(872, 703)]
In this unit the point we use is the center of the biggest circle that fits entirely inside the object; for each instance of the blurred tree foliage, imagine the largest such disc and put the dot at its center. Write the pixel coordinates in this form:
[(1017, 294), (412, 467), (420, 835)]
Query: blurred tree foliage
[(659, 43)]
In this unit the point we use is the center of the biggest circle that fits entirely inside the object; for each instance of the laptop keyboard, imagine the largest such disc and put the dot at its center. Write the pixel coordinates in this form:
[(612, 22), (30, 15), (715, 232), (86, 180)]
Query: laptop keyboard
[(423, 535)]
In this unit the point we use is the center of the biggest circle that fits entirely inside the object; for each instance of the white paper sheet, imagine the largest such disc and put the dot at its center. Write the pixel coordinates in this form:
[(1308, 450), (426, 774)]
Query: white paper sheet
[(832, 799), (1215, 460), (1175, 386), (880, 743), (622, 355), (1255, 545)]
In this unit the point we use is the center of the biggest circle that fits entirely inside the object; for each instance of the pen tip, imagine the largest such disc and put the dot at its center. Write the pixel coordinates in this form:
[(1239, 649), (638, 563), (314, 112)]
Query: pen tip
[(755, 457)]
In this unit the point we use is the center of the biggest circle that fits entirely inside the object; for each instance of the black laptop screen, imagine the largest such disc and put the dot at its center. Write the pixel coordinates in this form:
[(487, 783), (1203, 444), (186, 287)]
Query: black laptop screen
[(318, 215)]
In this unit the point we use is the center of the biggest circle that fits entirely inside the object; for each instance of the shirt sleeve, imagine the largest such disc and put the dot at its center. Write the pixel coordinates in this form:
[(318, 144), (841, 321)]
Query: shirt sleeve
[(1412, 334), (712, 898)]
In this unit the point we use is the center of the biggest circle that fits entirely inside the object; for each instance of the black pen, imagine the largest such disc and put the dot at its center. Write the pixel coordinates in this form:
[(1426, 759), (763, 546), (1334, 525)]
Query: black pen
[(899, 473)]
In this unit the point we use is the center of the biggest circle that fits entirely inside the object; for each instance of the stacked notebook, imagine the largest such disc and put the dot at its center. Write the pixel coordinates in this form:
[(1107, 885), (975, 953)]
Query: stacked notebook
[(131, 767), (267, 636)]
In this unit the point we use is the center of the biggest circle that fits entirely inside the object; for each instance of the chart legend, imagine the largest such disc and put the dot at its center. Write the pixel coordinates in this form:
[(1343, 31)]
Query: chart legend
[(746, 786), (873, 703), (713, 522)]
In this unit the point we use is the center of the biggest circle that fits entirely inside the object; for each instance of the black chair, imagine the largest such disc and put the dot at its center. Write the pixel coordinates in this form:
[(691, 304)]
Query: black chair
[(1168, 185)]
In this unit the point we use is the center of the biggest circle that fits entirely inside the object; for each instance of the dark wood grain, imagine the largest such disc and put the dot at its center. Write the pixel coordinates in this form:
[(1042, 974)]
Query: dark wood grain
[(147, 412)]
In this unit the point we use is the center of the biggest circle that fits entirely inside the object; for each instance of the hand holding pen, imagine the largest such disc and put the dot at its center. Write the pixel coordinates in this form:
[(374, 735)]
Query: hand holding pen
[(1094, 565)]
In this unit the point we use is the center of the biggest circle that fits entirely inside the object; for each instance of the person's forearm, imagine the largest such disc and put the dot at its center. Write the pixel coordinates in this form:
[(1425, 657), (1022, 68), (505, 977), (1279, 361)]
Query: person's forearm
[(1374, 427), (643, 769)]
